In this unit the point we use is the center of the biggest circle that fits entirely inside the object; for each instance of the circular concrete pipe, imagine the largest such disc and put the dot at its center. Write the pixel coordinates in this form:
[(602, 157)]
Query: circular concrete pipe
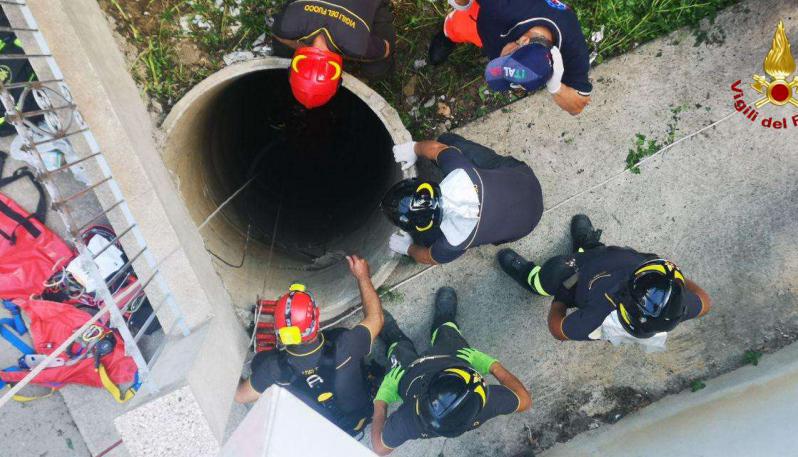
[(315, 179)]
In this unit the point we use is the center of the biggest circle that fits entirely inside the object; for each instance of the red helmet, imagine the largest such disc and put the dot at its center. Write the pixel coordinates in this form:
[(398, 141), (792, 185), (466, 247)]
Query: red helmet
[(296, 316), (315, 75)]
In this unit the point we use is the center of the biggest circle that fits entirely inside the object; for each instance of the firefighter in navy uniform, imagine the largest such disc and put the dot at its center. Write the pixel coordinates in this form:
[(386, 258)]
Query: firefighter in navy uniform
[(443, 391), (326, 370), (485, 198), (530, 43), (319, 34), (618, 294)]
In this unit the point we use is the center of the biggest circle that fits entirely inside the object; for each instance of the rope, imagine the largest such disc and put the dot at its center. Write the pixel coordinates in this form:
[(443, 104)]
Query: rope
[(224, 203)]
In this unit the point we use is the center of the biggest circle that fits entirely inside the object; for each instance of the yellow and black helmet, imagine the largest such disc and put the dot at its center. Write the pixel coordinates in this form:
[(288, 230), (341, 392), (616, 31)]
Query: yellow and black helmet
[(652, 301), (413, 205), (453, 399)]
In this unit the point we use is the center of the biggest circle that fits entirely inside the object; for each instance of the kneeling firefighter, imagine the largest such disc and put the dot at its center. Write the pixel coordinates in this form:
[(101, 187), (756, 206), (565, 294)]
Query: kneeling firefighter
[(485, 198), (443, 391), (326, 369), (318, 35), (619, 295)]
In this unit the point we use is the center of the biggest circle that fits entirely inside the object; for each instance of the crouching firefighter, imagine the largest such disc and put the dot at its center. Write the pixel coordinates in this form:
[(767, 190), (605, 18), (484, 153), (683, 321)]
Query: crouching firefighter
[(444, 391), (485, 198), (319, 34), (618, 294), (326, 369)]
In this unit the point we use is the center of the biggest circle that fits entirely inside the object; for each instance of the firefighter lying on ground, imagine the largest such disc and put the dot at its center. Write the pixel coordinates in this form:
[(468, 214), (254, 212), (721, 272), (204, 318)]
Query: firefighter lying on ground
[(619, 294), (307, 357), (484, 198)]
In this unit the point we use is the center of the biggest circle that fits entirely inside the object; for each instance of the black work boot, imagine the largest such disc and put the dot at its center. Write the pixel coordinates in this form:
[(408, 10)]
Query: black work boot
[(583, 235), (516, 267), (445, 308), (391, 333), (439, 48)]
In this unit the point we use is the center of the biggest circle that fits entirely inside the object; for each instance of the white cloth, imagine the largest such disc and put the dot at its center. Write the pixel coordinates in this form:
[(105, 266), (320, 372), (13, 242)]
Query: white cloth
[(611, 330), (400, 242), (460, 203), (555, 82)]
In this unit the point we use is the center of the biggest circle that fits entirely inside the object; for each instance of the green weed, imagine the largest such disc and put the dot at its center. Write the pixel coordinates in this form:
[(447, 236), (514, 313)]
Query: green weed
[(697, 385), (642, 149), (751, 357)]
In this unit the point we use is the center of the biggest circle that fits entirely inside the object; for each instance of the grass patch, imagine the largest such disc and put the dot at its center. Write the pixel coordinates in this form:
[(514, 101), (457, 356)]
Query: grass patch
[(179, 42), (697, 385), (390, 295)]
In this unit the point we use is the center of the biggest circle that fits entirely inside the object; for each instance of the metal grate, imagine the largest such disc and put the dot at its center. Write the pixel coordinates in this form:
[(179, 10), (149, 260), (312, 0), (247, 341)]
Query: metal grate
[(80, 203)]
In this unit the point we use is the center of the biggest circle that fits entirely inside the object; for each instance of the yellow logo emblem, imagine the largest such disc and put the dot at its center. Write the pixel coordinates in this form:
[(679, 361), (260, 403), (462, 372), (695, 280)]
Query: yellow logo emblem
[(779, 64)]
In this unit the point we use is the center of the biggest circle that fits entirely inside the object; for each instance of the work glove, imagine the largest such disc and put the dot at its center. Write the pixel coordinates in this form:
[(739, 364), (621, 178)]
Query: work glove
[(389, 388), (555, 82), (405, 154), (400, 242), (458, 7), (478, 360)]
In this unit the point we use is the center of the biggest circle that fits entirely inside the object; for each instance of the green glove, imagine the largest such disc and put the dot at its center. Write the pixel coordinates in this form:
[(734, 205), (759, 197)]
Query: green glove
[(478, 360), (389, 389)]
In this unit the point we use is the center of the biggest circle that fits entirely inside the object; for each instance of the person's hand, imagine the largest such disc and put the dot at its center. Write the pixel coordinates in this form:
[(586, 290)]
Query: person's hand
[(359, 267), (554, 83), (570, 100), (389, 388), (400, 242), (405, 154), (478, 360), (461, 5)]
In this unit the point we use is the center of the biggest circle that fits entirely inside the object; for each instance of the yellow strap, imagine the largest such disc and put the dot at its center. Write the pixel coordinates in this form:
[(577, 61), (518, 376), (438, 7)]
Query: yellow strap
[(113, 389), (26, 399)]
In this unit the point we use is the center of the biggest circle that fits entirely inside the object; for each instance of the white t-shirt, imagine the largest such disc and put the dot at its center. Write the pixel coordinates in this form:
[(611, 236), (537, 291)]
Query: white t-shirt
[(611, 330), (460, 204)]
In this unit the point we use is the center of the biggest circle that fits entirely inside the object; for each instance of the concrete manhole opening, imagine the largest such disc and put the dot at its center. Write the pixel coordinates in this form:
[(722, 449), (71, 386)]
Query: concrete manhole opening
[(315, 181)]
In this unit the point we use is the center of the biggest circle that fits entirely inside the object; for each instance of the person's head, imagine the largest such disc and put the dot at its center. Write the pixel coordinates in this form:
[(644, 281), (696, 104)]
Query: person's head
[(651, 301), (529, 66), (413, 205), (296, 317), (452, 401), (315, 75)]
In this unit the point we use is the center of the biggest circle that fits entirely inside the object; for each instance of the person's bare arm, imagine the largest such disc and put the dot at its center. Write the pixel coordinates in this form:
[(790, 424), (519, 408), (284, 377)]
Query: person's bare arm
[(377, 426), (372, 307), (557, 314), (706, 302), (429, 149), (421, 254), (293, 44), (511, 382), (570, 100), (245, 393)]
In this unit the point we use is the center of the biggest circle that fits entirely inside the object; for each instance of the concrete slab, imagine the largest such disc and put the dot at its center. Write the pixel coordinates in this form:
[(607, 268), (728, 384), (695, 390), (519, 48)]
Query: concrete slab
[(746, 412), (721, 204)]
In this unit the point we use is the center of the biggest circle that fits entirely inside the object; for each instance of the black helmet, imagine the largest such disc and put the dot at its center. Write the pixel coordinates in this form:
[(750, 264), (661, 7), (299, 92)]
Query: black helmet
[(413, 205), (453, 399), (653, 299)]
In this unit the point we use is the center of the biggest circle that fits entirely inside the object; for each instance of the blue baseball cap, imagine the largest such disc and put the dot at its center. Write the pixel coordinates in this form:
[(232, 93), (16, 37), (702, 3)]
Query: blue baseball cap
[(529, 66)]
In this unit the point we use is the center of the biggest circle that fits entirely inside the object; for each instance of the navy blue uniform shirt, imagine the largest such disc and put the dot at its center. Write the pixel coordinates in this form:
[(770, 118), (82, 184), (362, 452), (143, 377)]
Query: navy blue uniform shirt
[(608, 267), (504, 21)]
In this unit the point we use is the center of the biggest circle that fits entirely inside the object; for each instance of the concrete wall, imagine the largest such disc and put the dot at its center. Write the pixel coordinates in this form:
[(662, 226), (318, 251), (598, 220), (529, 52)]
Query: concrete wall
[(748, 412), (83, 45)]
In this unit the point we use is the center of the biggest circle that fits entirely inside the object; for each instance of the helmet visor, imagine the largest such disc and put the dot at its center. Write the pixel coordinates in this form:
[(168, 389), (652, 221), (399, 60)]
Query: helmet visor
[(654, 300)]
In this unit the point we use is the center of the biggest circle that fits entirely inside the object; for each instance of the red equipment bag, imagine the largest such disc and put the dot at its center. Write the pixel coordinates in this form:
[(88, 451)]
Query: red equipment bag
[(52, 323), (29, 252)]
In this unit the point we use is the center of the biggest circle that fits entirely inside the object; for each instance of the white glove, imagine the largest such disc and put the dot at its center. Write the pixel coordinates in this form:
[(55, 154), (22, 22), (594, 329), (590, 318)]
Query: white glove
[(459, 7), (554, 83), (400, 242), (405, 154)]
